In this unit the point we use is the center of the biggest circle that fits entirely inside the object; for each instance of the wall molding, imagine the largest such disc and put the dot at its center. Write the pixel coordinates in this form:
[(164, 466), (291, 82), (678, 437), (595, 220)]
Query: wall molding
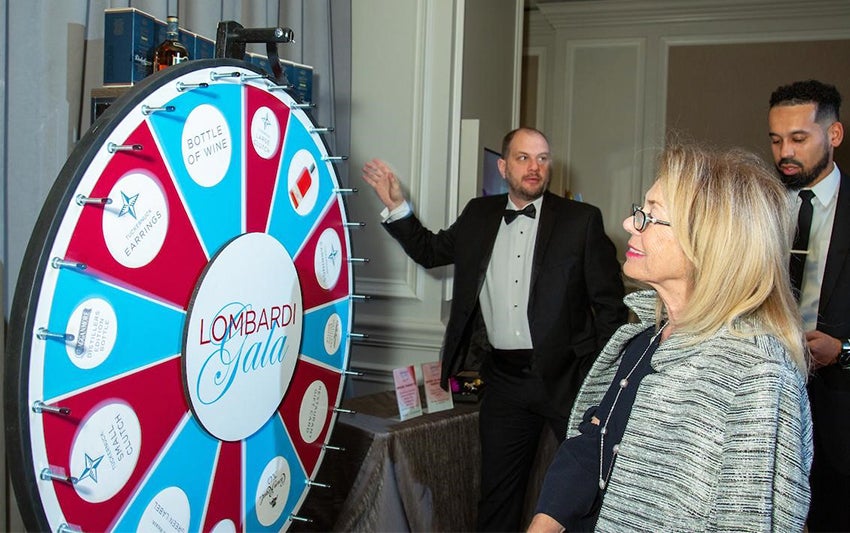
[(566, 15), (537, 25), (418, 131), (600, 162), (401, 332), (542, 76), (390, 288)]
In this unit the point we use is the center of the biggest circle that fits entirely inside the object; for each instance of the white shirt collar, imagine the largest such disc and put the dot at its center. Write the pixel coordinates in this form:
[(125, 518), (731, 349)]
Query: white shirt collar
[(826, 190), (537, 203)]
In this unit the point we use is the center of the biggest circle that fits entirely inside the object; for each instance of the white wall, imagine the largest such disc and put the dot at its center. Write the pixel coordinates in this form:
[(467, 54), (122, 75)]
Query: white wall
[(408, 75), (607, 78), (491, 58)]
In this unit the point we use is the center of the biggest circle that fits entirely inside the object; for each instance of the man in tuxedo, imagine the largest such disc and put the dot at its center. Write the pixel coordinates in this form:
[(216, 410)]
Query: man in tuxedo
[(804, 132), (537, 292)]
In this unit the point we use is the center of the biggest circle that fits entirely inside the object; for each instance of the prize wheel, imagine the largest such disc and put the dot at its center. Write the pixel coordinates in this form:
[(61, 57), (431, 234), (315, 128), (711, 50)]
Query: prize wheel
[(182, 322)]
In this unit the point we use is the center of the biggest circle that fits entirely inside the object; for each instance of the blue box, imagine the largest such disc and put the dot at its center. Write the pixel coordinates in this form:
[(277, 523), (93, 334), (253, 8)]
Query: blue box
[(298, 76), (301, 78), (130, 37), (187, 38), (204, 48), (258, 60)]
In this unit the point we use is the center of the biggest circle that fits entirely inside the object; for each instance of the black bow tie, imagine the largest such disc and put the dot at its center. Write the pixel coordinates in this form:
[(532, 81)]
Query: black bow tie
[(510, 214)]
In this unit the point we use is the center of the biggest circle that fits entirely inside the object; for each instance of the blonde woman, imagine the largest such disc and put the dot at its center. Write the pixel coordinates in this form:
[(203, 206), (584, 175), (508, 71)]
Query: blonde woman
[(695, 418)]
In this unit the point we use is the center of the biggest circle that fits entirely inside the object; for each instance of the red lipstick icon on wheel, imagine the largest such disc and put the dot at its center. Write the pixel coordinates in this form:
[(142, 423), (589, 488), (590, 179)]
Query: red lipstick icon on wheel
[(302, 185)]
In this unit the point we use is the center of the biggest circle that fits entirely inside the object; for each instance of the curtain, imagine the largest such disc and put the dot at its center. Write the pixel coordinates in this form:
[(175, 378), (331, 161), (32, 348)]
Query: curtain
[(54, 58)]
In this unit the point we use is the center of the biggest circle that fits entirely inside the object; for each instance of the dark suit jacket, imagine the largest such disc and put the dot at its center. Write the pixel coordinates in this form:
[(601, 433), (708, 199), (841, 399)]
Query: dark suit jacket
[(576, 292), (829, 387)]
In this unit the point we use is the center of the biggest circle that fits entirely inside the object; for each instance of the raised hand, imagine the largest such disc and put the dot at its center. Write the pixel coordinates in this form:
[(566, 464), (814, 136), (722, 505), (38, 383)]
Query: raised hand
[(379, 175)]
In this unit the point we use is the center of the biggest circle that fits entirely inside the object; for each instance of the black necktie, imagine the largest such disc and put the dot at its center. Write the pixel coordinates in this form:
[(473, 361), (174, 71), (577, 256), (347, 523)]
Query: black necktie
[(801, 242), (510, 214)]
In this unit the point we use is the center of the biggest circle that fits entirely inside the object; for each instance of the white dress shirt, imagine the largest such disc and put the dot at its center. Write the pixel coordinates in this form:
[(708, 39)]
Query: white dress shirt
[(504, 296), (824, 204), (398, 213)]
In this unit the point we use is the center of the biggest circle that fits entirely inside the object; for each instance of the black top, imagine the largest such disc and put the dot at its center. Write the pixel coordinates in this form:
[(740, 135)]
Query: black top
[(571, 493)]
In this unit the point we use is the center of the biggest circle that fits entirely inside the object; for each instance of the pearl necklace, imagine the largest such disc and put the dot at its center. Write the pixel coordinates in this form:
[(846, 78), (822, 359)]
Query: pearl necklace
[(604, 478)]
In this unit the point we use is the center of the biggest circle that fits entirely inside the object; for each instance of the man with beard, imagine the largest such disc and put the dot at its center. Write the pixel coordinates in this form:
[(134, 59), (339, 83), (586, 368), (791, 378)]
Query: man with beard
[(537, 293), (804, 132)]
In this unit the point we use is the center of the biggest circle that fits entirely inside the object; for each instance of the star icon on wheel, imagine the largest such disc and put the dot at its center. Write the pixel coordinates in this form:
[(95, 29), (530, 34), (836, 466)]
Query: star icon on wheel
[(332, 255), (91, 468), (129, 207)]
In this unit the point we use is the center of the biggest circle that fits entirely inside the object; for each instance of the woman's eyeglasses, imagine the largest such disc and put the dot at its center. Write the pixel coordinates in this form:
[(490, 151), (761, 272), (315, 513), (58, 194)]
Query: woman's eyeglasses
[(641, 218)]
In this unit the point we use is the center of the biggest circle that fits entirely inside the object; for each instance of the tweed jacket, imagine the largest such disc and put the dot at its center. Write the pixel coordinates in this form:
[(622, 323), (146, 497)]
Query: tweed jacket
[(719, 438)]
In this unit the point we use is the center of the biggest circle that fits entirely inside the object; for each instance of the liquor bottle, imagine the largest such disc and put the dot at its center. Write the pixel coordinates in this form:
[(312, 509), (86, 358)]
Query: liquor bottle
[(170, 51)]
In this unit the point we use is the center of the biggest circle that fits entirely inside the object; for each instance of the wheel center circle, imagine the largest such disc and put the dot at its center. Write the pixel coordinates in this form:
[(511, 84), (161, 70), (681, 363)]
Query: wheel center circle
[(242, 336)]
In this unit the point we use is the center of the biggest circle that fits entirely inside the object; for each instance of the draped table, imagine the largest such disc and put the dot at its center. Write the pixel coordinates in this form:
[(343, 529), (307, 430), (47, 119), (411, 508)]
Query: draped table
[(420, 474)]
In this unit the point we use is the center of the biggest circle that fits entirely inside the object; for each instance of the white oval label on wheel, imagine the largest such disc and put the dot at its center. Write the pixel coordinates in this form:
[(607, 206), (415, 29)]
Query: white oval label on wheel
[(207, 145), (333, 334), (167, 512), (303, 182), (243, 336), (225, 526), (105, 451), (272, 491), (135, 222), (328, 259), (314, 411), (95, 328), (265, 132)]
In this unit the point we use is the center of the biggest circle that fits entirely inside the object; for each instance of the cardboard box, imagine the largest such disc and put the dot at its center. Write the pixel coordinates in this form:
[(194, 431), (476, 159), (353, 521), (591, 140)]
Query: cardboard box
[(102, 98), (188, 39), (301, 78), (130, 37), (298, 76), (204, 48)]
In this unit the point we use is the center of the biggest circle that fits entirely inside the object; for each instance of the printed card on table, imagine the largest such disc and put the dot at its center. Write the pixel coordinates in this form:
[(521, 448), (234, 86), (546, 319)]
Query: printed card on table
[(436, 397), (407, 392)]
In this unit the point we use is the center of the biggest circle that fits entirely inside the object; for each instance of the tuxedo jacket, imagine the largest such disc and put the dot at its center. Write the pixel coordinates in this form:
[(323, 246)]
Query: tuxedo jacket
[(575, 297), (829, 387)]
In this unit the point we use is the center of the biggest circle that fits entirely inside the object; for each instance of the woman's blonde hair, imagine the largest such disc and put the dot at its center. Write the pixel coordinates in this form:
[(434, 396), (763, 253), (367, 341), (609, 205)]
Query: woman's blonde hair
[(732, 217)]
